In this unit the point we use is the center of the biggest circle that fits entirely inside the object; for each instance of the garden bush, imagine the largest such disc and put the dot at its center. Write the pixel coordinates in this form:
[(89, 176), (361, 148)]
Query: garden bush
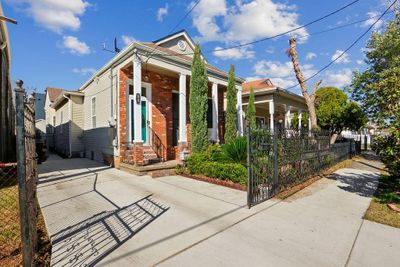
[(233, 152), (199, 163)]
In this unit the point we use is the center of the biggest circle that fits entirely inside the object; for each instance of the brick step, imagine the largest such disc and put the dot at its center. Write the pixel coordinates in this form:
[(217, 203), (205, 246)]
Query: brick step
[(151, 161), (150, 156)]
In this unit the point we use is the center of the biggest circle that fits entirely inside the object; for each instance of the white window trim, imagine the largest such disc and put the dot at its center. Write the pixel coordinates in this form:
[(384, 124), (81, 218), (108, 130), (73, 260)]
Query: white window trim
[(61, 121), (91, 111)]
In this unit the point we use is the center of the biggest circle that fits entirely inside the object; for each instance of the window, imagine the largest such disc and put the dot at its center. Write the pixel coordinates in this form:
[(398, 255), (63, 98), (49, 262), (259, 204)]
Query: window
[(54, 124), (61, 122), (175, 118), (93, 112), (260, 122), (210, 114)]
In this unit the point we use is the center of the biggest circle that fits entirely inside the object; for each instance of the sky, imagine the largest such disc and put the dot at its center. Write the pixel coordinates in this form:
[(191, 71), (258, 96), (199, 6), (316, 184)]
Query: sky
[(60, 42)]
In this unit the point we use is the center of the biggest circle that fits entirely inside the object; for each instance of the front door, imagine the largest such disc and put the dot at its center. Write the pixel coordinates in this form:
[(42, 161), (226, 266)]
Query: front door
[(145, 112), (144, 119)]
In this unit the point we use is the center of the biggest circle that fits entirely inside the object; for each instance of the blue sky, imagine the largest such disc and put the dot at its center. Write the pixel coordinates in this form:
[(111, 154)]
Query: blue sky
[(59, 42)]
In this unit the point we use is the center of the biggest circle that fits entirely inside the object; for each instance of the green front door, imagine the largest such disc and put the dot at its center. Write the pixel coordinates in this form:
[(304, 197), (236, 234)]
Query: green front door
[(144, 121)]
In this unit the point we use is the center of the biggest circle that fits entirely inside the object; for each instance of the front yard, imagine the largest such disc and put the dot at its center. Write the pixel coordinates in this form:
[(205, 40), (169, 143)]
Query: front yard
[(388, 192), (10, 233)]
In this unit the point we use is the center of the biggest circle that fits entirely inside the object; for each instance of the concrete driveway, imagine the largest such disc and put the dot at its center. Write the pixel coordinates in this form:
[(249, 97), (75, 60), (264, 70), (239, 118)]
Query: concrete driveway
[(101, 216)]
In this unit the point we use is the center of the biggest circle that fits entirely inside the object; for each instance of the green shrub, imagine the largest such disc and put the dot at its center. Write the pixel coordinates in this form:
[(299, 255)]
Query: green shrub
[(235, 152), (198, 163), (213, 151), (388, 148)]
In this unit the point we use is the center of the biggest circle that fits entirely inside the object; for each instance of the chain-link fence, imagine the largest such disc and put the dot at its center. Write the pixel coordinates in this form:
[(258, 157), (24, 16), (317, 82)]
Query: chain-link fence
[(26, 172), (10, 232), (18, 202)]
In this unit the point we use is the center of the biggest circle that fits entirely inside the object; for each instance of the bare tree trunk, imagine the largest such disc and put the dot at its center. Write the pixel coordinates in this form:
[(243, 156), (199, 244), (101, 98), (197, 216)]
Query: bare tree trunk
[(310, 99)]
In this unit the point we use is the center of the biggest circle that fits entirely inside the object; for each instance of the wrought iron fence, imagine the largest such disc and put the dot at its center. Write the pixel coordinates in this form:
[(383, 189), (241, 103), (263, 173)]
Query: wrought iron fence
[(282, 158)]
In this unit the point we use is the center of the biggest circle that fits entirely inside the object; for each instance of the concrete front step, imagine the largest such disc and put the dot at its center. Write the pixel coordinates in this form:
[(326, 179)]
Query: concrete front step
[(154, 170)]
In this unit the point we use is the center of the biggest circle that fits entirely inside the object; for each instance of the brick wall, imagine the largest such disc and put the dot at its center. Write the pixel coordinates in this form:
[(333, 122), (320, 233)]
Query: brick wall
[(124, 75), (162, 124), (162, 86)]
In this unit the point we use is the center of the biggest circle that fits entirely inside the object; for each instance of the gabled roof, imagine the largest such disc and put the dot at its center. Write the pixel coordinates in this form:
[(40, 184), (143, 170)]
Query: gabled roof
[(176, 54), (61, 97), (258, 85), (53, 93), (176, 35), (148, 48)]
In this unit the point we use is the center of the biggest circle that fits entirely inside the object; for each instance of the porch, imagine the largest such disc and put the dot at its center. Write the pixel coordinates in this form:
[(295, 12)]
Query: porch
[(276, 107), (154, 113)]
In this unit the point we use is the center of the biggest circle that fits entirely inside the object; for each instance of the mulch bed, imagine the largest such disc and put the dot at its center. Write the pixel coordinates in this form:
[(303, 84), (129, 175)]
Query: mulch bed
[(282, 195), (225, 183)]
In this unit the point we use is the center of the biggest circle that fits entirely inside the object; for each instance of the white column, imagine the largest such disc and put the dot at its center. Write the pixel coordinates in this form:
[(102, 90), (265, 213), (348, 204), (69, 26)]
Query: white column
[(214, 94), (271, 115), (309, 124), (137, 90), (300, 116), (287, 117), (182, 109), (239, 110)]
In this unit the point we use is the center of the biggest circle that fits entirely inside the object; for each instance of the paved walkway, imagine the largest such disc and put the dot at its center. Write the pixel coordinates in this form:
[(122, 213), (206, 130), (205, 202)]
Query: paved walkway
[(99, 215)]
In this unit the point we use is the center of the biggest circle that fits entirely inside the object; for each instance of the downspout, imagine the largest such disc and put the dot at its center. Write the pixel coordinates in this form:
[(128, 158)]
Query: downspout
[(70, 125)]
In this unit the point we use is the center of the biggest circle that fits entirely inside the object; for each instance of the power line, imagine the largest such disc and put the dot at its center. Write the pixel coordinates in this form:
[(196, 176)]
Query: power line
[(348, 48), (270, 37), (289, 31), (340, 26)]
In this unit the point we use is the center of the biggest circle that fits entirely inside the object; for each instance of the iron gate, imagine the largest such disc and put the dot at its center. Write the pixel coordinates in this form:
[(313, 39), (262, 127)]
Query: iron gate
[(282, 158)]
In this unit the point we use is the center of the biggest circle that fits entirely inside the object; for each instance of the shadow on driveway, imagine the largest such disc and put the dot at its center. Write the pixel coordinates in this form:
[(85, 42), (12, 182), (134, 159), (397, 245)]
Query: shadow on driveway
[(88, 242)]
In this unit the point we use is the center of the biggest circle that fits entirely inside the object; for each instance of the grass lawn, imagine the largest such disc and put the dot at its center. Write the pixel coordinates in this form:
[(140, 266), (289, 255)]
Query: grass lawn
[(10, 241), (378, 210)]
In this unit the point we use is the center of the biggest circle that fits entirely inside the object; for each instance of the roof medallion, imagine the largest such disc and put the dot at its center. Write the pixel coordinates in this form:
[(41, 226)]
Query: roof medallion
[(182, 45)]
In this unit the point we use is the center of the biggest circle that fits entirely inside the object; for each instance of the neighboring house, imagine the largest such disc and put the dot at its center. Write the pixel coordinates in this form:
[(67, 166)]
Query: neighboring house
[(39, 106), (65, 121), (274, 106), (136, 107), (7, 107)]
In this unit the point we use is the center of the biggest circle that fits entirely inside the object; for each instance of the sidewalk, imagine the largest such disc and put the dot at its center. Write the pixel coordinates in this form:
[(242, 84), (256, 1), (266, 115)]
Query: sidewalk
[(101, 216), (321, 225)]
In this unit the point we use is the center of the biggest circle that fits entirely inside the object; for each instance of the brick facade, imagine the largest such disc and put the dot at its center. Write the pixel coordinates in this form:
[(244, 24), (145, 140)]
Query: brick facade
[(162, 115)]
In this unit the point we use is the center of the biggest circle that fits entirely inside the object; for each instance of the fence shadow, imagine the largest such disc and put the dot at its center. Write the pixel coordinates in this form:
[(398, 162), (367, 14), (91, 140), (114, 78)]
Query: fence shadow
[(90, 241), (361, 184)]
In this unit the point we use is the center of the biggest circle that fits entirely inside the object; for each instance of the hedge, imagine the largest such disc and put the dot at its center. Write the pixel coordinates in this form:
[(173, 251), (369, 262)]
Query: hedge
[(199, 163)]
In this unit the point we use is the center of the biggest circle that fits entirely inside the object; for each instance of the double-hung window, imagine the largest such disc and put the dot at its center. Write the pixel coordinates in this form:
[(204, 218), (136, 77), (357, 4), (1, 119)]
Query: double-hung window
[(93, 112)]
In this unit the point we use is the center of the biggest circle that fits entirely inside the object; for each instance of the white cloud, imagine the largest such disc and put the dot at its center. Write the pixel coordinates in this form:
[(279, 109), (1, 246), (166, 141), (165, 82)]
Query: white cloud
[(310, 56), (270, 50), (373, 16), (55, 15), (243, 21), (343, 59), (338, 79), (161, 12), (281, 74), (234, 53), (127, 39), (75, 46), (253, 78), (360, 62), (204, 18), (84, 71)]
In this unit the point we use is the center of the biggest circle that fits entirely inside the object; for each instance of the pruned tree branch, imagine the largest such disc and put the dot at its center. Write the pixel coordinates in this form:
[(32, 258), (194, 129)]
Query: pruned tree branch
[(310, 100)]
